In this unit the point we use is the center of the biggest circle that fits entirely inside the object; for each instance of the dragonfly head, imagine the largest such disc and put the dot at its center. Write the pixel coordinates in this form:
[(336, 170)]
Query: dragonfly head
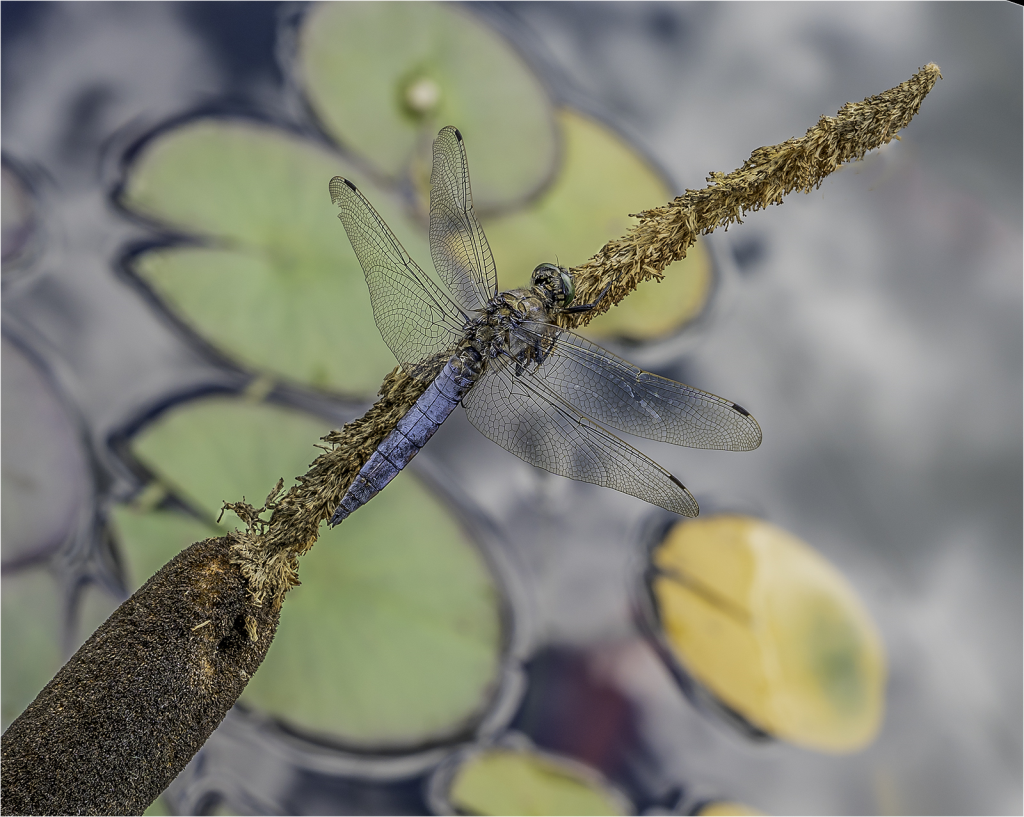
[(556, 282)]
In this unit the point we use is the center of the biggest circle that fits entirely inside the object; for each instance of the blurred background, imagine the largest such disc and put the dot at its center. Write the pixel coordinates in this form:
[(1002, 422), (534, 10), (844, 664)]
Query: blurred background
[(838, 632)]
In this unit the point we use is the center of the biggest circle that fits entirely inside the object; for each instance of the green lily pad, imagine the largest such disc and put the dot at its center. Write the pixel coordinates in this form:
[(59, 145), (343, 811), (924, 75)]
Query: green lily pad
[(507, 781), (276, 285), (30, 638), (223, 449), (158, 808), (385, 77), (95, 606), (406, 631), (394, 639), (149, 539), (601, 180)]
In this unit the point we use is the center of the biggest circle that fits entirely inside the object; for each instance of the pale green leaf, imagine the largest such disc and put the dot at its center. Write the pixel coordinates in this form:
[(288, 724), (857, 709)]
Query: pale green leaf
[(277, 287), (30, 640), (503, 781), (393, 639), (362, 63)]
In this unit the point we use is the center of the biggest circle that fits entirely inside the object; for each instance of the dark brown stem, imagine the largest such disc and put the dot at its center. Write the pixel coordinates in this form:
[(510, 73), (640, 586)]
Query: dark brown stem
[(134, 704)]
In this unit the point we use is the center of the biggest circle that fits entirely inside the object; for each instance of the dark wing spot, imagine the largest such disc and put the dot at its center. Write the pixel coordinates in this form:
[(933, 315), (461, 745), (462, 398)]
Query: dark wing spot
[(741, 410), (457, 134), (677, 482), (335, 188)]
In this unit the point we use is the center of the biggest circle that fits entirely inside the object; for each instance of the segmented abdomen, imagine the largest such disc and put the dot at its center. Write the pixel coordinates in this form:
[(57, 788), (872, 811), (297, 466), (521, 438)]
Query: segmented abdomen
[(409, 436)]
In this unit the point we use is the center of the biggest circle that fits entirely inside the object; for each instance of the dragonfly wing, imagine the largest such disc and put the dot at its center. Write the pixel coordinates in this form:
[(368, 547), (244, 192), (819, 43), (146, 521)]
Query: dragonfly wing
[(523, 416), (416, 318), (607, 388), (458, 245)]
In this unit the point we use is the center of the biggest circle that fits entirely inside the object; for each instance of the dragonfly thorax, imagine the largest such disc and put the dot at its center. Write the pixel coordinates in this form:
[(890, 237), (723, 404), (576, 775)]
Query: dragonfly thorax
[(494, 333)]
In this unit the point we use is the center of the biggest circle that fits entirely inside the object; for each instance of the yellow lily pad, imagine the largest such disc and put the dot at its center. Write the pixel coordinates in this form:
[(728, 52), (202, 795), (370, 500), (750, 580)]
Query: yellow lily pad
[(772, 629), (383, 78), (394, 638), (509, 781), (275, 285), (727, 808), (600, 182)]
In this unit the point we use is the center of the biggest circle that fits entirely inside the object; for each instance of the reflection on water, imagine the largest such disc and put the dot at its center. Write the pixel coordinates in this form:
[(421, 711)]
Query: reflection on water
[(876, 338), (46, 478)]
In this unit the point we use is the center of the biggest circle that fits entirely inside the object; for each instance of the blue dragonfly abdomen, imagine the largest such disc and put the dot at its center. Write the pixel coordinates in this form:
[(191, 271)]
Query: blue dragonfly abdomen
[(418, 425)]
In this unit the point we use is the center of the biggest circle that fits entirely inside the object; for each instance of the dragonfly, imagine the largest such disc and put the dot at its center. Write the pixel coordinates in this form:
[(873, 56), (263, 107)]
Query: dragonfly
[(538, 390)]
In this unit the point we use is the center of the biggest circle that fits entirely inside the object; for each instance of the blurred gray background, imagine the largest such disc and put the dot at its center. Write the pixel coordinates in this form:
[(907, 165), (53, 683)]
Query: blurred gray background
[(873, 327)]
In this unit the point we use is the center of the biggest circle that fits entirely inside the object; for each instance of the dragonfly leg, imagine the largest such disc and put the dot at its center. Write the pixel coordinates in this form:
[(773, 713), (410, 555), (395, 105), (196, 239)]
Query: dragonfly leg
[(591, 305)]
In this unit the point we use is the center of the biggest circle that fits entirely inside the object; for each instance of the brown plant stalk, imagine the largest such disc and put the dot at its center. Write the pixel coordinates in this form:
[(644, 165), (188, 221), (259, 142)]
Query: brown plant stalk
[(138, 699), (664, 234)]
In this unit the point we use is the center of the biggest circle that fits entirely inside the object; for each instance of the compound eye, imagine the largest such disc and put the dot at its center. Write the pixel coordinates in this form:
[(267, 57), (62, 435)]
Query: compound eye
[(568, 286)]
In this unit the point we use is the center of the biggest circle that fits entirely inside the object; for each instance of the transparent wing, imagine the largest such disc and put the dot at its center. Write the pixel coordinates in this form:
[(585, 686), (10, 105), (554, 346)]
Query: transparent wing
[(607, 388), (458, 246), (523, 416), (416, 318)]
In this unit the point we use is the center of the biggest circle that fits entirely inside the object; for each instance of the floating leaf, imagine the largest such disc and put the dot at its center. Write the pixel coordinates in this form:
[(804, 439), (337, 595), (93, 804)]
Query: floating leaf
[(221, 449), (149, 539), (394, 638), (277, 287), (385, 77), (94, 607), (601, 180), (727, 808), (30, 639), (158, 808), (508, 781), (772, 629)]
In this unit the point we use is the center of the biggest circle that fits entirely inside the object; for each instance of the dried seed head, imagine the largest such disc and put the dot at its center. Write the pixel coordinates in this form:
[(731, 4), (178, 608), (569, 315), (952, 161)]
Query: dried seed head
[(268, 550)]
